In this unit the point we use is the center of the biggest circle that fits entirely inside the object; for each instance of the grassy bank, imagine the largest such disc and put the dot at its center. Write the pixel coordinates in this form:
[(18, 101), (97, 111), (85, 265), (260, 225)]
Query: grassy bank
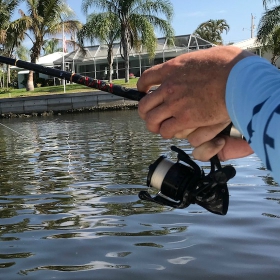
[(72, 88)]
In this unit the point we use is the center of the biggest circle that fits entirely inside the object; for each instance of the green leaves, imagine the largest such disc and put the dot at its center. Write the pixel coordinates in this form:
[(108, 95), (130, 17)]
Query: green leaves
[(268, 34), (104, 27), (133, 22), (7, 8), (212, 30)]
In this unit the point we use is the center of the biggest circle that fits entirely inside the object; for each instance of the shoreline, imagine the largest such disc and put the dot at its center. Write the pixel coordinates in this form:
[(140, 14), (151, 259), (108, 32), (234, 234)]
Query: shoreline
[(59, 113), (47, 105)]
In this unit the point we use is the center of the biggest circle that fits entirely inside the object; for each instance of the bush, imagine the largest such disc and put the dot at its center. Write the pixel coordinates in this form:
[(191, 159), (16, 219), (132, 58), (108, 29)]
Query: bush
[(5, 90), (40, 82), (49, 82)]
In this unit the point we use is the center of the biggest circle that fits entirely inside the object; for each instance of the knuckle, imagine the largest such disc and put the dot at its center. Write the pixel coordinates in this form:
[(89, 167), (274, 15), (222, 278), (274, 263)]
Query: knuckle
[(142, 108)]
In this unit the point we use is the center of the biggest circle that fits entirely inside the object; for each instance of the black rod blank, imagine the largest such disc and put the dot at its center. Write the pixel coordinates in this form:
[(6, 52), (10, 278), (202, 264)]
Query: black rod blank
[(128, 93)]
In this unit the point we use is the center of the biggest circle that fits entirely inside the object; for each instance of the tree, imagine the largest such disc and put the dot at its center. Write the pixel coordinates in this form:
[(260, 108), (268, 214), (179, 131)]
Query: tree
[(106, 28), (268, 22), (45, 19), (266, 2), (22, 52), (137, 20), (9, 37), (212, 30), (273, 44), (268, 34), (7, 8), (51, 46)]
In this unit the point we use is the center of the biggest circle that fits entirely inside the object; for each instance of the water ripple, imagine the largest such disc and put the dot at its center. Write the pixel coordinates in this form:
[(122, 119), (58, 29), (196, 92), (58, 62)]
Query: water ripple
[(69, 208)]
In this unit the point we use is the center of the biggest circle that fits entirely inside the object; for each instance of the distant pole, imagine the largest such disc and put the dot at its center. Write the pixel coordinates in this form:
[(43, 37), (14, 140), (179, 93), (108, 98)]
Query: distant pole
[(252, 26), (63, 47)]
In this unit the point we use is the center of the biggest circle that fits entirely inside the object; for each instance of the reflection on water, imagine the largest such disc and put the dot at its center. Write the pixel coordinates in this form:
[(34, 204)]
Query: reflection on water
[(69, 207)]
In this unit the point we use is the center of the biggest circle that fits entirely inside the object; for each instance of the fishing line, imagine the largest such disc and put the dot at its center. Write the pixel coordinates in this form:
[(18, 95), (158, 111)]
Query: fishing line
[(22, 135), (67, 158)]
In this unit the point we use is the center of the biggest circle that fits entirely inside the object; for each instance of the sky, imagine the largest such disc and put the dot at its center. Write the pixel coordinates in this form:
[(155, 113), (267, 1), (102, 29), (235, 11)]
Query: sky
[(189, 14)]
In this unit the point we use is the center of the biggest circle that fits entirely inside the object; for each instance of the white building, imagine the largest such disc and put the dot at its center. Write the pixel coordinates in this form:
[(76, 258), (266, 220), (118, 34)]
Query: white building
[(93, 61), (255, 47), (47, 61)]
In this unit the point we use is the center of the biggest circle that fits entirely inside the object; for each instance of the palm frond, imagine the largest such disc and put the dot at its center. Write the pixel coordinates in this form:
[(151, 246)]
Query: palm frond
[(266, 2), (103, 5), (156, 7), (212, 30), (269, 20), (102, 26)]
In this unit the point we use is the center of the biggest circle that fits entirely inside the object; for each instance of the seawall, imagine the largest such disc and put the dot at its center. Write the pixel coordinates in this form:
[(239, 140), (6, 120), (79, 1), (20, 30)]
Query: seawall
[(58, 103)]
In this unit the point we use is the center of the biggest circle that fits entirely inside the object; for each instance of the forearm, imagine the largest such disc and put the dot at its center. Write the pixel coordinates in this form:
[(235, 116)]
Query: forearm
[(253, 103)]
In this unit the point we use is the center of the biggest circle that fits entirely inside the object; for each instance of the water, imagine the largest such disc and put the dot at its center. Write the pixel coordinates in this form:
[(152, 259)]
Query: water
[(69, 208)]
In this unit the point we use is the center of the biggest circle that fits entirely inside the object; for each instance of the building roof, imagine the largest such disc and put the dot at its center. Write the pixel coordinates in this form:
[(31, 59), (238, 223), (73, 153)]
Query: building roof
[(90, 53), (48, 60), (248, 44)]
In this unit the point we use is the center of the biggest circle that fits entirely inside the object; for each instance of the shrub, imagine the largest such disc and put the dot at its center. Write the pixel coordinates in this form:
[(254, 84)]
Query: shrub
[(40, 82), (5, 90)]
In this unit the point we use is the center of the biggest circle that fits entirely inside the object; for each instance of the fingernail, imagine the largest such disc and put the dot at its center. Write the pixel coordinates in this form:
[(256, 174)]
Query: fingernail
[(219, 141)]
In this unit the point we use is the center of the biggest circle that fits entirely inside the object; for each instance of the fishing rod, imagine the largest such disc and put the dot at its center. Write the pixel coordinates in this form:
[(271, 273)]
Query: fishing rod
[(102, 85), (118, 90), (179, 184)]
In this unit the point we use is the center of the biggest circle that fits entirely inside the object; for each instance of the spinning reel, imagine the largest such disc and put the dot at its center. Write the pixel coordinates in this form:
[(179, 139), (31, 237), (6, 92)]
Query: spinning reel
[(184, 182)]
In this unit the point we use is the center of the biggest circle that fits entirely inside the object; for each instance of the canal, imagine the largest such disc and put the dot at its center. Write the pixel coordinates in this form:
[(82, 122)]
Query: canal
[(69, 207)]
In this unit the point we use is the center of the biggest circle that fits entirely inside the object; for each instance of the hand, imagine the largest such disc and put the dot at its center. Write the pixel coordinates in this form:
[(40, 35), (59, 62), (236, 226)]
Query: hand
[(224, 146), (190, 101)]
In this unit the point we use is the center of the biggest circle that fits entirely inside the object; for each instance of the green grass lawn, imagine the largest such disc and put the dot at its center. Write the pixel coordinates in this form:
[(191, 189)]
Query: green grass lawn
[(72, 88)]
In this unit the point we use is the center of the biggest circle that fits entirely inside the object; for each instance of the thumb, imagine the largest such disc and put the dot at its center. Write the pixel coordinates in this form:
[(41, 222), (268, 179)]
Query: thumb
[(209, 149), (235, 148)]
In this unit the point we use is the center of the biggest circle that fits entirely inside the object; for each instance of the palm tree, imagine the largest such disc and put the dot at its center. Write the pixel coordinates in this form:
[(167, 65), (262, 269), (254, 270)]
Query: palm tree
[(136, 20), (9, 37), (51, 46), (273, 45), (104, 27), (212, 30), (268, 22), (45, 19), (266, 2), (22, 52), (268, 34), (7, 8)]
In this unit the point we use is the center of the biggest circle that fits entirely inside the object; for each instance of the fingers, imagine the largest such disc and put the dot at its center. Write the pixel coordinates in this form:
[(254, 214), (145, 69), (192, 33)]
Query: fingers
[(226, 148), (235, 148), (205, 133), (149, 102), (183, 134), (200, 135), (175, 126), (208, 149), (155, 118), (150, 77)]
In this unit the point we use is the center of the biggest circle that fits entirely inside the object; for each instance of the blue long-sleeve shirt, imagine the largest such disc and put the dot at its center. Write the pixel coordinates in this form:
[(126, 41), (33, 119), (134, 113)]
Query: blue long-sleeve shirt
[(253, 103)]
